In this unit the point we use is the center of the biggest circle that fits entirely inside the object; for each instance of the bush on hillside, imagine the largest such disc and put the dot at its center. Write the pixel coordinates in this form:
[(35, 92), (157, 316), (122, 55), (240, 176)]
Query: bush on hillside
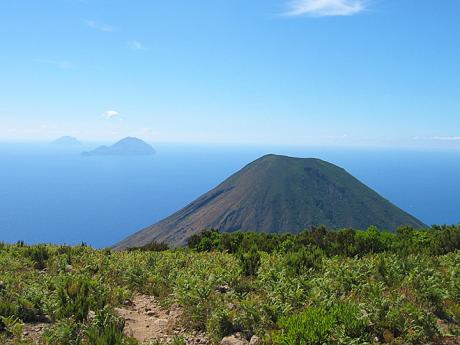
[(322, 325)]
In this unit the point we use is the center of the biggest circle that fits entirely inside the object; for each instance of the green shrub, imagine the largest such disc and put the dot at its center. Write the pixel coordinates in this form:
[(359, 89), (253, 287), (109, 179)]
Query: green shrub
[(250, 262), (27, 310), (206, 240), (63, 332), (12, 326), (220, 324), (74, 299), (453, 310), (152, 247), (39, 255), (178, 340), (300, 261), (406, 321), (321, 325), (107, 329), (7, 308)]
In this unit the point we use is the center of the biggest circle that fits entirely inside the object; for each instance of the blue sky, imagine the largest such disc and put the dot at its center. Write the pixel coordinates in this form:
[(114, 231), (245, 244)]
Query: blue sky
[(307, 72)]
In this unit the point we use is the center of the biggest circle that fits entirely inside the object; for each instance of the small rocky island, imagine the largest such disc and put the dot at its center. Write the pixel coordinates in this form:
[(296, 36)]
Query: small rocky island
[(67, 141), (129, 146)]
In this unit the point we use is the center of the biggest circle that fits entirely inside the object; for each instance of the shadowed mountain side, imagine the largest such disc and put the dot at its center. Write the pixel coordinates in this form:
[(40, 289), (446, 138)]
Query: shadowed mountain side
[(277, 194)]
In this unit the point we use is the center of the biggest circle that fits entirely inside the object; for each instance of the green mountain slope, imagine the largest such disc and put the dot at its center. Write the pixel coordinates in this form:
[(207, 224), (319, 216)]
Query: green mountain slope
[(279, 194)]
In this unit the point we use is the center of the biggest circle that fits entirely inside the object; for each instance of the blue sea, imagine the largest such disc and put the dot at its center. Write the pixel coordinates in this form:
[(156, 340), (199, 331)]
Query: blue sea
[(50, 194)]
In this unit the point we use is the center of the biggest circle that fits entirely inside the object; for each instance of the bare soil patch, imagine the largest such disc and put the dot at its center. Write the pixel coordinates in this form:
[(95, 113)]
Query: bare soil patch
[(147, 321)]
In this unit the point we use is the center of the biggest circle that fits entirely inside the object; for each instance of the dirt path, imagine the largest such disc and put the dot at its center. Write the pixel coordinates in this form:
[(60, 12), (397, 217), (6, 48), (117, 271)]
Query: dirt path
[(448, 341), (146, 320), (34, 332)]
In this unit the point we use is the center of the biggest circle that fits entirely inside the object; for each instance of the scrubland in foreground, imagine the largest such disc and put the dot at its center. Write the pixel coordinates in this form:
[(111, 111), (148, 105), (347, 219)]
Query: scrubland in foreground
[(318, 287)]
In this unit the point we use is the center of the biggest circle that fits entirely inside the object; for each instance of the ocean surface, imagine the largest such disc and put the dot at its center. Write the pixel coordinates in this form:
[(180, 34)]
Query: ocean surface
[(50, 194)]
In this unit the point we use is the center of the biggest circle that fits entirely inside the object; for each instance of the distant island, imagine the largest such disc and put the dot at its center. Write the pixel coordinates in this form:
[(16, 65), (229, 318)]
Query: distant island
[(129, 146), (67, 141)]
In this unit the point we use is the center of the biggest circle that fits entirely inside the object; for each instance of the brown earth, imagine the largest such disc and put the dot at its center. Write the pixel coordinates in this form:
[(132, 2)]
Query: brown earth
[(147, 321), (447, 341), (34, 332)]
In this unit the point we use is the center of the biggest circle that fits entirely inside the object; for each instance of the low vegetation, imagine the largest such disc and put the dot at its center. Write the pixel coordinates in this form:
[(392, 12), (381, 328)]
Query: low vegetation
[(317, 287)]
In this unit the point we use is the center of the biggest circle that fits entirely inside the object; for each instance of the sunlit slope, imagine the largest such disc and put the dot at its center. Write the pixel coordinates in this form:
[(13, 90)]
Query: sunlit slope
[(279, 194)]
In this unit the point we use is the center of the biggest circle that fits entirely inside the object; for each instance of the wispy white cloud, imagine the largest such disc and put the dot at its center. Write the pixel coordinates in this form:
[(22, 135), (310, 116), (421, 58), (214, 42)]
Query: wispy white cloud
[(56, 63), (323, 8), (110, 114), (446, 138), (136, 45), (98, 26)]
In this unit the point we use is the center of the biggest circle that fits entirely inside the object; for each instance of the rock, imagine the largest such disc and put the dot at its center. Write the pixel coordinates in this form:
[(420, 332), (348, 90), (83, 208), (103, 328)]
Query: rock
[(255, 340), (91, 315), (161, 322), (2, 286), (128, 302), (222, 288), (201, 340), (68, 269), (150, 313), (236, 339), (175, 311)]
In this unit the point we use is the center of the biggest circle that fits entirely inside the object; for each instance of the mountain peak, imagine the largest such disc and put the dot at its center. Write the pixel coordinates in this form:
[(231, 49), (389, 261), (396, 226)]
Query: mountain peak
[(277, 194), (127, 139)]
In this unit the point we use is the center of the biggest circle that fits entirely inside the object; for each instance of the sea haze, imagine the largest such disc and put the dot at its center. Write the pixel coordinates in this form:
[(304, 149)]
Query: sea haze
[(50, 194)]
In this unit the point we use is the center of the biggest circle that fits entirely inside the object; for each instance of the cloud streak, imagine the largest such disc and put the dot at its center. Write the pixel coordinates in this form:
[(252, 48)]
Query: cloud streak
[(325, 8), (446, 138), (136, 45), (110, 114), (56, 63), (101, 27)]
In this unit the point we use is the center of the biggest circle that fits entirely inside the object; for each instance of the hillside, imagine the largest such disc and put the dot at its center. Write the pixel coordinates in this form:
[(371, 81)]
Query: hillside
[(128, 146), (318, 287), (276, 194)]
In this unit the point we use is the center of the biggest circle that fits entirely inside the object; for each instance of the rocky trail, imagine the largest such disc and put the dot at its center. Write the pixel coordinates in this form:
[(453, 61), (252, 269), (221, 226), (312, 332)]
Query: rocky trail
[(147, 321)]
